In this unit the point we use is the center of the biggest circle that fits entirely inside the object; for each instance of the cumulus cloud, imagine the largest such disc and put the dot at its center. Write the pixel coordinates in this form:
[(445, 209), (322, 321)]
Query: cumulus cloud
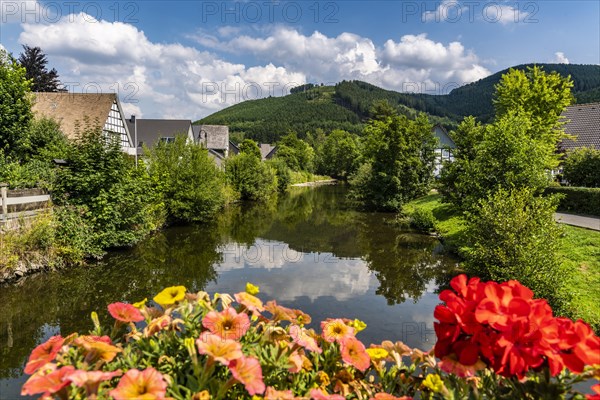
[(163, 80), (170, 80), (414, 63), (560, 58)]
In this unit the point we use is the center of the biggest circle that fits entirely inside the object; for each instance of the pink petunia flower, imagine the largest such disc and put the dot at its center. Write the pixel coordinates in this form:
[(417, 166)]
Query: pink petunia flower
[(252, 303), (43, 354), (355, 354), (300, 336), (48, 379), (227, 324), (222, 350), (248, 372), (90, 380), (318, 394), (125, 312)]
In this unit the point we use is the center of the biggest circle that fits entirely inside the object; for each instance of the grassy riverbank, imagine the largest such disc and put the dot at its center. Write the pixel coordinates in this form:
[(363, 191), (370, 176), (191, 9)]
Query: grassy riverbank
[(578, 250)]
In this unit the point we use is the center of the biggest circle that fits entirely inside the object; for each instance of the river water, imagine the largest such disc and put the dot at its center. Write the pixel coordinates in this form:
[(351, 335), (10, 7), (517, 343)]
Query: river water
[(307, 250)]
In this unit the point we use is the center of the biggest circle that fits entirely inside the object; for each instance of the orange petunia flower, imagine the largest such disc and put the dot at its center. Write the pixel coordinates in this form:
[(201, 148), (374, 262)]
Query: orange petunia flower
[(227, 324), (252, 303), (97, 348), (135, 384), (280, 313), (247, 371), (299, 317), (355, 354), (302, 337), (451, 365), (44, 353), (125, 312), (336, 330), (222, 350), (157, 325), (272, 394), (90, 380), (319, 394), (47, 380)]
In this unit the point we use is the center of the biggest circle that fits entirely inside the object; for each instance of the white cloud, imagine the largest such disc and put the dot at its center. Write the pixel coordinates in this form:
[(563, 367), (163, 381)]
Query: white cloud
[(23, 11), (415, 63), (560, 58), (166, 80)]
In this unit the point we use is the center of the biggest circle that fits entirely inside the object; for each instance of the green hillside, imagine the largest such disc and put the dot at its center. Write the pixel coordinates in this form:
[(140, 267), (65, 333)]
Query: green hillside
[(346, 105)]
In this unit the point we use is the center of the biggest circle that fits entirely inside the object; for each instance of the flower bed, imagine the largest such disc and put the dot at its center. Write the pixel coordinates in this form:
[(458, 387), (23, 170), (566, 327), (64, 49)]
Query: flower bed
[(494, 341)]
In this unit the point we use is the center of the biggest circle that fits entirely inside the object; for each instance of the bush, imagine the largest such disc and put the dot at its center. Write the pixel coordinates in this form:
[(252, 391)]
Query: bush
[(253, 179), (577, 200), (582, 167), (513, 235), (188, 181), (422, 220), (119, 199), (284, 174), (190, 346)]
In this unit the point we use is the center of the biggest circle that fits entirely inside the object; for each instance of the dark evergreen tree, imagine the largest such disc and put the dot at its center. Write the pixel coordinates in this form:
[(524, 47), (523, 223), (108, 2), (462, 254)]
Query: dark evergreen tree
[(34, 61)]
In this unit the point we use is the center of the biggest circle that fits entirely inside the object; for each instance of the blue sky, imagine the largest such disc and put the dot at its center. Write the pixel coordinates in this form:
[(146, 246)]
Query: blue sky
[(187, 59)]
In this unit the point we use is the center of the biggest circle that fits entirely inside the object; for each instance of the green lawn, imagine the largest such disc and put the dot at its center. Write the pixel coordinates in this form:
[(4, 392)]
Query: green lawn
[(579, 250)]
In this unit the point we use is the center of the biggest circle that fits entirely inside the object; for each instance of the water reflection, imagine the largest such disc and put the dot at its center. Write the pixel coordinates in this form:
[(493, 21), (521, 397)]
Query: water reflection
[(307, 250)]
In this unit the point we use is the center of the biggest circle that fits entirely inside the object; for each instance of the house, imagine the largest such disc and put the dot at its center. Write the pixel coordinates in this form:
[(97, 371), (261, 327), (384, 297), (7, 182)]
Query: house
[(75, 111), (444, 150), (213, 137), (582, 122), (148, 132), (267, 151)]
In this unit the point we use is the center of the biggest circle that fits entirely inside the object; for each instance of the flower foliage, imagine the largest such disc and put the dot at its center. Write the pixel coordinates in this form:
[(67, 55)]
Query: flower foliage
[(494, 341)]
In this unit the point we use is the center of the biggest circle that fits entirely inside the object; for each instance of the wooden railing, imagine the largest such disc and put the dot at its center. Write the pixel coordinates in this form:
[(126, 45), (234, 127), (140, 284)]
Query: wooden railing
[(21, 203)]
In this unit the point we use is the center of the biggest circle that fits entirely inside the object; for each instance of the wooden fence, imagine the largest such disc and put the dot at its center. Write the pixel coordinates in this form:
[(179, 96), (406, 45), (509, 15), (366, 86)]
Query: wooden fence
[(21, 203)]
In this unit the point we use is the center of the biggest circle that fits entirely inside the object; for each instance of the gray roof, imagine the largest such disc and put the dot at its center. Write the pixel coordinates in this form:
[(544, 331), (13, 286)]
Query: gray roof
[(150, 131), (212, 136), (266, 150), (445, 141), (584, 123)]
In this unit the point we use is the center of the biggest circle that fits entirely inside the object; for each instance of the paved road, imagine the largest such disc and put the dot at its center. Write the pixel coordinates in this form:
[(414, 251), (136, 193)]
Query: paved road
[(578, 220)]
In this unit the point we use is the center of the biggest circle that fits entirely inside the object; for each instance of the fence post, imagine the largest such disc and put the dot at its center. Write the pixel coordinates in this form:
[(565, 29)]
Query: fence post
[(4, 191)]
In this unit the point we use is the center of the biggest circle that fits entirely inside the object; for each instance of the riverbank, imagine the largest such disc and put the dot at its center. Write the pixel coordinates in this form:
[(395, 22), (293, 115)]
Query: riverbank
[(316, 183), (578, 250)]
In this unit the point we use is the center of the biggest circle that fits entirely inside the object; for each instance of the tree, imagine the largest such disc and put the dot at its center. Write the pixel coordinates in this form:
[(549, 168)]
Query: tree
[(15, 104), (34, 61), (339, 155), (582, 167), (296, 153), (189, 181), (253, 179), (399, 155), (249, 146), (513, 235), (518, 148)]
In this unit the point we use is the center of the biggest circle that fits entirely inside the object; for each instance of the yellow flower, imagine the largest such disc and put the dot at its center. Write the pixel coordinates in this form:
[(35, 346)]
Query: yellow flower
[(358, 325), (140, 304), (377, 354), (252, 289), (170, 295), (434, 382)]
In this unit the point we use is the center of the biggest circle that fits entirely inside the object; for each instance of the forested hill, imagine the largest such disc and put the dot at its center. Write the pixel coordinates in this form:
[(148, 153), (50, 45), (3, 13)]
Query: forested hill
[(346, 105)]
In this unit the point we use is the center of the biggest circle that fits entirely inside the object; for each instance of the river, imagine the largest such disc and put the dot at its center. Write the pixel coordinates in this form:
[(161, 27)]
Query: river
[(307, 250)]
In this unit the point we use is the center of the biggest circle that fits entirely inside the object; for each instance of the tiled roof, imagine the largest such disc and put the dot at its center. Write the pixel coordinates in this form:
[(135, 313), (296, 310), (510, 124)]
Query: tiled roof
[(584, 124), (71, 110)]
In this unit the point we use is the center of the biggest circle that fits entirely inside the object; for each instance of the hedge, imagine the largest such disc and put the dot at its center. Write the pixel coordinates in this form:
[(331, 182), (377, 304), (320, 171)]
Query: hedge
[(577, 200)]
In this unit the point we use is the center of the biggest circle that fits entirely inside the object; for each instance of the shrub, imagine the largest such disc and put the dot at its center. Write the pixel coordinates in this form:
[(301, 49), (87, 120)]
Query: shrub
[(423, 220), (582, 167), (188, 181), (253, 179), (284, 174), (577, 200), (187, 345), (513, 235)]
